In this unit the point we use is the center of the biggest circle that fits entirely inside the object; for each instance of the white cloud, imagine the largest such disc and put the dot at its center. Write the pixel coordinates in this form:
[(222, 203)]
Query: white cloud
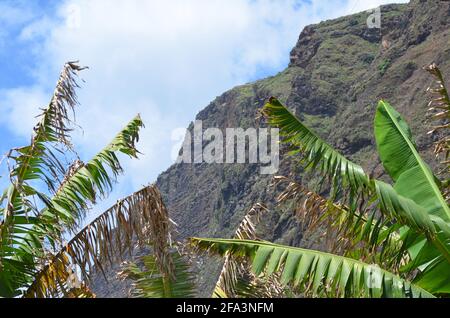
[(164, 59), (21, 106)]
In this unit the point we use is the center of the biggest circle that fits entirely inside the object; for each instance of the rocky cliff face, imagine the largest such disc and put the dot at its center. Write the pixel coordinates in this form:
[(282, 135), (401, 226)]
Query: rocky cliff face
[(338, 71)]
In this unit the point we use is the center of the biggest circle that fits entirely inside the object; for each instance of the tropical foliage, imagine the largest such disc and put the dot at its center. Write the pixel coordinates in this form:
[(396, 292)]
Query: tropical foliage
[(382, 239), (48, 198), (133, 221), (390, 239), (166, 271), (316, 273)]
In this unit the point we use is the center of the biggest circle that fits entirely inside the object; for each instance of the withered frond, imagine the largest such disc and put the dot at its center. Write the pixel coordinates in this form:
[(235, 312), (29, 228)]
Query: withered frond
[(236, 278), (439, 107), (247, 228), (344, 231), (166, 271), (232, 269), (56, 117), (139, 218)]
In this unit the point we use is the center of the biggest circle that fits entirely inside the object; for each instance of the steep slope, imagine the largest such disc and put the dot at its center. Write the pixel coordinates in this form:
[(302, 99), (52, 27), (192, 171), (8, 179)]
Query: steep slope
[(338, 71)]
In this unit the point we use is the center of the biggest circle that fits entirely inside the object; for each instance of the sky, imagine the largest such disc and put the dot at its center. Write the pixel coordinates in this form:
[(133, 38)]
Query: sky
[(164, 59)]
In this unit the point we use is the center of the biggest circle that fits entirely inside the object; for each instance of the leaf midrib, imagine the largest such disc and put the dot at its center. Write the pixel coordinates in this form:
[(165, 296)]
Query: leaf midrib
[(325, 154), (306, 251), (426, 171)]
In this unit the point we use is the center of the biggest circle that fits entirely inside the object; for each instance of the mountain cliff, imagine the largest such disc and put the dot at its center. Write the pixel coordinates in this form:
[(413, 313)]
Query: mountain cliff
[(338, 71)]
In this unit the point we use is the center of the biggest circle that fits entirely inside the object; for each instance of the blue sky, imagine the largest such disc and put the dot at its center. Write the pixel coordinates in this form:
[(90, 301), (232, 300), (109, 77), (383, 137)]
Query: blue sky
[(164, 59)]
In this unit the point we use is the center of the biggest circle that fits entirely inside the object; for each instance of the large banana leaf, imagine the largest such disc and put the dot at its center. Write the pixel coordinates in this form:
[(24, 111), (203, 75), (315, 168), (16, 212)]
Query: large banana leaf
[(431, 238), (415, 180), (406, 211), (318, 273), (435, 278), (398, 153)]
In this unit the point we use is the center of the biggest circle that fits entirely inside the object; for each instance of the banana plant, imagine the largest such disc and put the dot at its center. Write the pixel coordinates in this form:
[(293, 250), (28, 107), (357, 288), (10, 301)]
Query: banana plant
[(48, 198), (409, 214)]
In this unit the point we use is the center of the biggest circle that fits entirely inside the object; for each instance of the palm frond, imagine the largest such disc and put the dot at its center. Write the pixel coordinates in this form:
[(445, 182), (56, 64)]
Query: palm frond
[(316, 273), (316, 152), (151, 283), (231, 270), (344, 231), (35, 162), (104, 241), (53, 127), (439, 107), (236, 278), (82, 184), (167, 270), (95, 178)]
